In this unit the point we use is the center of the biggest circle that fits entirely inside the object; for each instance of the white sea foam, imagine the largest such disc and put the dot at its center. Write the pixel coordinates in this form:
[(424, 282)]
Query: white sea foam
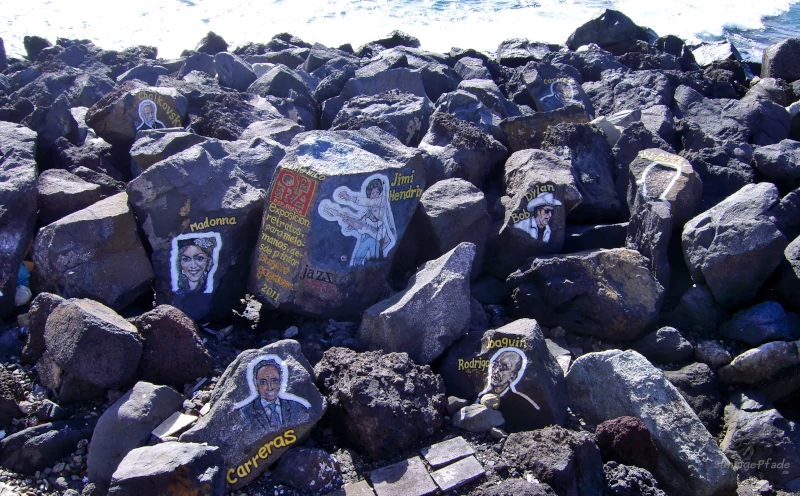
[(173, 25)]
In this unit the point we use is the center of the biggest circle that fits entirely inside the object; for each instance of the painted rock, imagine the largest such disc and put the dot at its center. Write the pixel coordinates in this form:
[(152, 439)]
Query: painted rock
[(135, 107), (200, 217), (265, 403), (553, 88), (511, 366), (339, 203), (659, 175)]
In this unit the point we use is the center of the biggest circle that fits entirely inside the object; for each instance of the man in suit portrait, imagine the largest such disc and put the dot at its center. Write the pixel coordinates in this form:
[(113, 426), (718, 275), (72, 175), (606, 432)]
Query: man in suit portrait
[(272, 407)]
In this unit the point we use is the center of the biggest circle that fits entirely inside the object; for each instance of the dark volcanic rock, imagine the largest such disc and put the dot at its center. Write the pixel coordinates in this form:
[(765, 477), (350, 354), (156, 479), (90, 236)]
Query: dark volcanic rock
[(340, 201), (34, 46), (40, 447), (18, 194), (607, 385), (697, 384), (780, 163), (724, 170), (173, 352), (91, 341), (459, 149), (442, 287), (152, 146), (516, 52), (627, 440), (62, 193), (170, 467), (233, 72), (761, 323), (515, 487), (587, 150), (93, 253), (527, 131), (380, 403), (567, 461), (145, 73), (308, 470), (606, 28), (666, 345), (281, 130), (789, 285), (264, 403), (511, 367), (623, 480), (404, 116), (212, 44), (590, 62), (736, 245), (649, 233), (606, 293), (11, 394), (51, 123), (765, 368), (127, 425), (200, 252), (227, 115)]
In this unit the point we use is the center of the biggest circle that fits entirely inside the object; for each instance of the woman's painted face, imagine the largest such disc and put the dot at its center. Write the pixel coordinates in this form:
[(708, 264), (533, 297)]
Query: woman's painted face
[(193, 263)]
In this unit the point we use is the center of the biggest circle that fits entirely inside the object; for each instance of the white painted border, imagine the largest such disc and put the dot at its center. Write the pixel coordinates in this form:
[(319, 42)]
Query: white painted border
[(173, 259), (284, 382)]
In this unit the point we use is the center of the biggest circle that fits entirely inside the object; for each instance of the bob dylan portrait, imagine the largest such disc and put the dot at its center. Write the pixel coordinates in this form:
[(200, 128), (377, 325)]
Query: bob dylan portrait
[(365, 215), (194, 262), (541, 210), (268, 404), (147, 113)]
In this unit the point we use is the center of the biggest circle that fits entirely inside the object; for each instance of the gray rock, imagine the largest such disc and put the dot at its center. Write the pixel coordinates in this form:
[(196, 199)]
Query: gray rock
[(447, 452), (712, 354), (38, 313), (759, 324), (657, 175), (404, 116), (489, 94), (649, 233), (708, 53), (62, 193), (380, 404), (768, 88), (455, 404), (162, 468), (516, 52), (198, 62), (587, 150), (199, 252), (233, 72), (441, 286), (108, 185), (724, 169), (126, 425), (471, 68), (173, 351), (697, 311), (527, 131), (762, 443), (405, 478), (467, 107), (146, 73), (516, 487), (780, 163), (591, 61), (789, 285), (536, 181), (53, 122), (606, 28), (659, 120), (454, 211), (459, 149), (781, 60), (757, 121), (281, 130), (460, 473), (319, 212), (154, 145), (119, 115), (94, 343), (760, 365), (514, 366), (567, 461), (319, 55), (611, 293), (249, 437), (735, 246), (11, 394), (697, 384), (88, 89), (631, 91), (18, 195), (40, 447), (607, 385), (308, 470), (665, 346), (93, 253), (478, 418)]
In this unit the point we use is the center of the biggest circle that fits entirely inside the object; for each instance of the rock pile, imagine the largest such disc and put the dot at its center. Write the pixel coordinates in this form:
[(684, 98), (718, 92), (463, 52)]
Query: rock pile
[(286, 268)]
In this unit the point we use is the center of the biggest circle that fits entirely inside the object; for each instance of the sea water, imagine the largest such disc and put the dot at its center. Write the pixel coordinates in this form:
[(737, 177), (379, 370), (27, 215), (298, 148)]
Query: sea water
[(174, 25)]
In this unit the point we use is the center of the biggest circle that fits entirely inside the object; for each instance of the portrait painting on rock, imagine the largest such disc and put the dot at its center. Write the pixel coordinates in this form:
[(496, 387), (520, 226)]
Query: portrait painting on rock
[(194, 261), (535, 218), (506, 368), (557, 94), (365, 215), (148, 113), (269, 405)]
